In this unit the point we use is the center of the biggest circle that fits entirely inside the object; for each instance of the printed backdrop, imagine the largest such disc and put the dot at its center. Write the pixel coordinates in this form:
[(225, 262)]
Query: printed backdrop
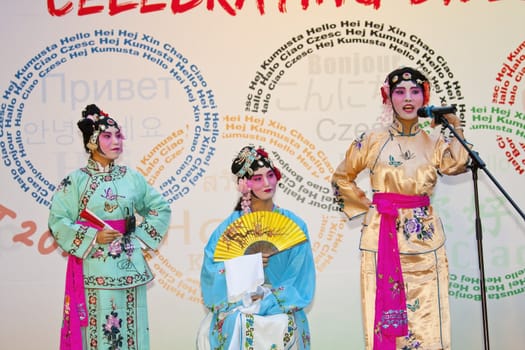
[(192, 82)]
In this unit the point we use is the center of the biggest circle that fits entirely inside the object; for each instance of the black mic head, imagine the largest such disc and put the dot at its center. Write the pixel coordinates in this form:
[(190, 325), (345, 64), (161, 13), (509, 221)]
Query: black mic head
[(428, 112), (423, 112)]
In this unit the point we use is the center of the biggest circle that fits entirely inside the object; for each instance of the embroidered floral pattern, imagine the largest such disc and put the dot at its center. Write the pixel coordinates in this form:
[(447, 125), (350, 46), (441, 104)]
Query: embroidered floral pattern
[(110, 281), (248, 332), (217, 328), (115, 249), (412, 226), (394, 318), (338, 197), (415, 225), (289, 335), (131, 316), (411, 342), (64, 184), (92, 309), (119, 323), (306, 339), (97, 179), (378, 330), (112, 331), (79, 238), (152, 231), (395, 288)]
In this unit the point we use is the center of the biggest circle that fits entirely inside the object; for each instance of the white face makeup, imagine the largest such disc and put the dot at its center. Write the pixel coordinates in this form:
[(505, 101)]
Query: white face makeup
[(406, 98), (110, 143), (263, 183)]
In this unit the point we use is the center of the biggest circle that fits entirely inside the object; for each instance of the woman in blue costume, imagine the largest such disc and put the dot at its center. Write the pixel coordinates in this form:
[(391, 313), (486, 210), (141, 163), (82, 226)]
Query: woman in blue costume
[(105, 301), (274, 317)]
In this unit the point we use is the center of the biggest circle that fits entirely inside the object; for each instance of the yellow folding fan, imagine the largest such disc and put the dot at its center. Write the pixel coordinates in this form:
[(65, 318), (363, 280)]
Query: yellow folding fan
[(260, 231)]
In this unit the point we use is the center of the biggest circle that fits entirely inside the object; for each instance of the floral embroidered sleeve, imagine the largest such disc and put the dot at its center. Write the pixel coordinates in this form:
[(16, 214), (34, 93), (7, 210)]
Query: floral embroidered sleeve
[(213, 277), (292, 275), (155, 212), (73, 238)]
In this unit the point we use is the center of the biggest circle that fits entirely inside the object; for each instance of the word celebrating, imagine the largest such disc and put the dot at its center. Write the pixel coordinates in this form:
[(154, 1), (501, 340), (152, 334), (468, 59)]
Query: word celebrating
[(177, 6)]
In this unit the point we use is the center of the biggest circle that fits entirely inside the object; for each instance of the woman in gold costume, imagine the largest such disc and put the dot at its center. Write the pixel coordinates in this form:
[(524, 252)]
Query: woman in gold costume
[(404, 268)]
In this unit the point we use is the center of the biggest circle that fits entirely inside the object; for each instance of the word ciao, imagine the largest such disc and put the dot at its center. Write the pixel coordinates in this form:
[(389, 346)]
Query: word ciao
[(113, 7), (513, 152)]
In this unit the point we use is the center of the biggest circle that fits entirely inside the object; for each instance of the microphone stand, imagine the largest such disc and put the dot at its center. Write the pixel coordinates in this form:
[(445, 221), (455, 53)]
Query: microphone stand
[(478, 163)]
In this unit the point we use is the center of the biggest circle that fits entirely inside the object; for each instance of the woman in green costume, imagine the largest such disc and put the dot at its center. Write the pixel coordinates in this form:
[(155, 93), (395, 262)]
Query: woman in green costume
[(92, 218)]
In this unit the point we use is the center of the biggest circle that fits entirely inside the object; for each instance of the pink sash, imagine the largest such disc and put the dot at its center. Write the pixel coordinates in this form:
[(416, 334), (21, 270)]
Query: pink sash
[(391, 318), (75, 311)]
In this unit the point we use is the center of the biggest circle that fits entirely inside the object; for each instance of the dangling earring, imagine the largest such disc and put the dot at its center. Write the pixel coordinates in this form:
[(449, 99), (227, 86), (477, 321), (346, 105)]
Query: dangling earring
[(243, 186), (246, 202), (92, 144)]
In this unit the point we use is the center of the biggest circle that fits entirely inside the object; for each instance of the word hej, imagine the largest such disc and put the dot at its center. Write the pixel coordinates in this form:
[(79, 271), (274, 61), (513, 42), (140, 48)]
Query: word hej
[(503, 120), (193, 165), (273, 133), (498, 119), (350, 32), (292, 142), (82, 44), (511, 74), (164, 55), (330, 237), (177, 6), (465, 287), (205, 134)]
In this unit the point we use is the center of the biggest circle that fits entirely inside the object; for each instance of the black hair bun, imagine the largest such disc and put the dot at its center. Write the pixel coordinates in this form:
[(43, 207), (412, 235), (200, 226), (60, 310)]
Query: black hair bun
[(90, 110)]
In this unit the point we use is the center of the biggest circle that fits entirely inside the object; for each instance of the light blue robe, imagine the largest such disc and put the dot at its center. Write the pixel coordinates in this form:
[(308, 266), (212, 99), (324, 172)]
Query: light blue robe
[(291, 274)]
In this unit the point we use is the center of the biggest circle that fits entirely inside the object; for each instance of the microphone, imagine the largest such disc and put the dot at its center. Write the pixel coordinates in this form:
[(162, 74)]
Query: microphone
[(432, 111)]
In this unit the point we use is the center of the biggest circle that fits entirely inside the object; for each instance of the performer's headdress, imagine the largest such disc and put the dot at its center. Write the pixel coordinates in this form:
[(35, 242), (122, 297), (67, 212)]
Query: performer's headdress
[(244, 165), (249, 160), (94, 121), (405, 74)]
